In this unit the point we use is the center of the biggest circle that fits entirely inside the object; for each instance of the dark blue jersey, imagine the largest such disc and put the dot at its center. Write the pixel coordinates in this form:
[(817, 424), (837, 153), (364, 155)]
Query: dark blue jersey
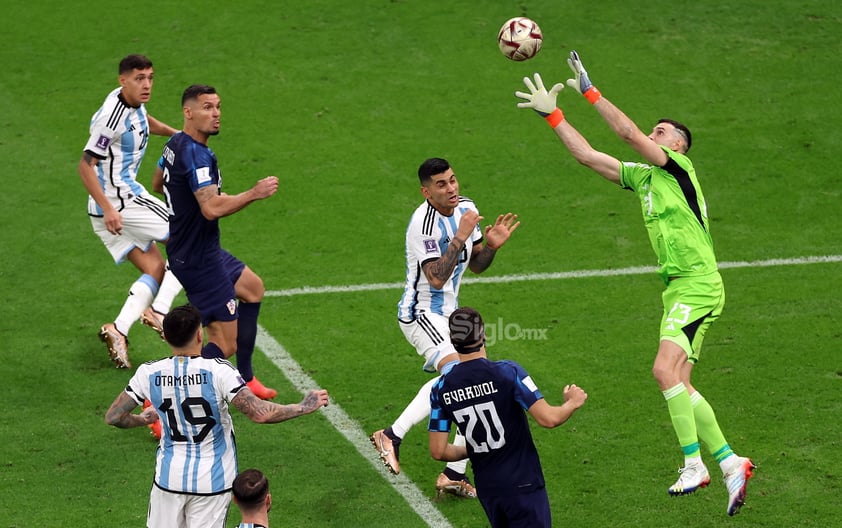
[(188, 166), (487, 401)]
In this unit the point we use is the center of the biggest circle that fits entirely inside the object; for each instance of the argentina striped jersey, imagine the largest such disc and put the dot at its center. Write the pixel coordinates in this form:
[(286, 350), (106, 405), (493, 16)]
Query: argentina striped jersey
[(427, 238), (197, 453), (119, 134)]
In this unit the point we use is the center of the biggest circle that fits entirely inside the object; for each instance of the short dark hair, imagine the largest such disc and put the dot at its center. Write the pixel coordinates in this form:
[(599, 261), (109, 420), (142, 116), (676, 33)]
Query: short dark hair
[(134, 62), (682, 129), (431, 167), (181, 324), (195, 90), (250, 488), (467, 331)]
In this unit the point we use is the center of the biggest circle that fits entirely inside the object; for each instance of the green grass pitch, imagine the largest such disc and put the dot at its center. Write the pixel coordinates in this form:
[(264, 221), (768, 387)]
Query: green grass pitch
[(342, 101)]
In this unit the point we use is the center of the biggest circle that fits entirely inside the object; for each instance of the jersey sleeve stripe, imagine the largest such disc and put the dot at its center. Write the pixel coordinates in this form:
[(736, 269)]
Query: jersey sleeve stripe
[(116, 115), (429, 220)]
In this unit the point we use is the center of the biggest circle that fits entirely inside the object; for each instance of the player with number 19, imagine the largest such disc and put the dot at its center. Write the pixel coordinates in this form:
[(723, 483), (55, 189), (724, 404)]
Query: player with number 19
[(486, 399), (196, 461)]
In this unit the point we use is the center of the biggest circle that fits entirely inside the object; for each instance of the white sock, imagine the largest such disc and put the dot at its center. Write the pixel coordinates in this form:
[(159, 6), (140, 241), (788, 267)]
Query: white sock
[(728, 463), (417, 410), (170, 287), (692, 461), (460, 465), (140, 295)]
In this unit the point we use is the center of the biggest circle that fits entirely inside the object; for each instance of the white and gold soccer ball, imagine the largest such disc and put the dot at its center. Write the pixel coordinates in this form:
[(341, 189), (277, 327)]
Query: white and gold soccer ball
[(520, 38)]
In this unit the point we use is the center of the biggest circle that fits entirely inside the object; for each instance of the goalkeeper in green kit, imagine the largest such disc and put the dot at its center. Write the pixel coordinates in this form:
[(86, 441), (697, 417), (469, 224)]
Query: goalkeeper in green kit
[(676, 219)]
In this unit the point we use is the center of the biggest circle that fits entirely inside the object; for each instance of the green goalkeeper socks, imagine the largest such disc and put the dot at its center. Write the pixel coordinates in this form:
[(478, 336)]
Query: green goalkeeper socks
[(708, 428), (683, 421)]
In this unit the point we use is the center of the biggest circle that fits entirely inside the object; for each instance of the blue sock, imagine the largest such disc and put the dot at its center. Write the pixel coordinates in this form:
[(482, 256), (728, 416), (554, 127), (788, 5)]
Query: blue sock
[(246, 336), (212, 351), (454, 475)]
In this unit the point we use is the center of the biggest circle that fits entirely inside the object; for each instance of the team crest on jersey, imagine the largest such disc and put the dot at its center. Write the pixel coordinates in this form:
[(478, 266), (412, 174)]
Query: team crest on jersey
[(430, 246), (103, 142), (232, 306)]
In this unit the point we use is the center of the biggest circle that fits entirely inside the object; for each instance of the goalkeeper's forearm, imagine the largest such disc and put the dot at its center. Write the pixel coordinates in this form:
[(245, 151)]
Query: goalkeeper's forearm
[(619, 122)]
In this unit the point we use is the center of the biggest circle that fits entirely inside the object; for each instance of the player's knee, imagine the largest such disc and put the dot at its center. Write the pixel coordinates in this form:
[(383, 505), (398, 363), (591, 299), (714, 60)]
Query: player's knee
[(666, 372), (154, 267), (250, 288), (158, 272), (258, 290), (660, 374)]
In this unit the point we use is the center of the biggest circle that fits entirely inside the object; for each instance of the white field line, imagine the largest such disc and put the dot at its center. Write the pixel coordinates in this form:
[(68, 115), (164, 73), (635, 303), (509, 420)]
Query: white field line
[(351, 430), (636, 270)]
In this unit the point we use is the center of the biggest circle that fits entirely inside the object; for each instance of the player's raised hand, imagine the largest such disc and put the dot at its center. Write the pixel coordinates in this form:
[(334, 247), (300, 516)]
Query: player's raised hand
[(538, 98), (496, 235), (467, 223), (581, 82)]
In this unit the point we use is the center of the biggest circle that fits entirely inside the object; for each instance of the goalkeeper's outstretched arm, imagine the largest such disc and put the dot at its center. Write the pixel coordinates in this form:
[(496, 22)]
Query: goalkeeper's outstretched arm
[(544, 103), (619, 122)]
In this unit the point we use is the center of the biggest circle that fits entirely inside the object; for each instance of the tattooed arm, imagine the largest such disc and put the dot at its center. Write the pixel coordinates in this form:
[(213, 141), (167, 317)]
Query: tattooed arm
[(120, 413), (262, 411), (215, 205), (495, 236), (440, 270), (481, 259)]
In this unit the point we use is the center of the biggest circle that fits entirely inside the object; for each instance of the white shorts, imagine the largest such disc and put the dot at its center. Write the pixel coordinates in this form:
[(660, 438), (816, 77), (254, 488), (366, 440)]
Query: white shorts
[(145, 220), (430, 335), (179, 510)]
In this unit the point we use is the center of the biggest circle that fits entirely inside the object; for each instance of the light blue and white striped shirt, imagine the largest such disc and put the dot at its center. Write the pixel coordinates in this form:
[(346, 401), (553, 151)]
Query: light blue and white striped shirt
[(197, 453), (427, 237), (119, 135)]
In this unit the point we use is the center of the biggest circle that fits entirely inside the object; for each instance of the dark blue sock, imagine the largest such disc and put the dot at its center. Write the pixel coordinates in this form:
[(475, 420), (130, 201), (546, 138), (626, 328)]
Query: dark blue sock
[(246, 336), (212, 351), (454, 475), (396, 440)]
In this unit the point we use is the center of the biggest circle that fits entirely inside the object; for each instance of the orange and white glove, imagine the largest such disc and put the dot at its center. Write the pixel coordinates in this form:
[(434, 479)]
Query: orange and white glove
[(581, 83), (541, 100)]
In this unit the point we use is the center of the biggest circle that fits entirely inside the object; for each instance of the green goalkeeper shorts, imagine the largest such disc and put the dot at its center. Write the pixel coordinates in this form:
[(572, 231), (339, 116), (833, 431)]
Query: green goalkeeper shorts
[(691, 305)]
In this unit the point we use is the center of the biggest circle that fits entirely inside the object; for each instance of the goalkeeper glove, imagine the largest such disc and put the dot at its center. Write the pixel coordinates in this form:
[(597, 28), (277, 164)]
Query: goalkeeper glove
[(581, 83), (541, 100)]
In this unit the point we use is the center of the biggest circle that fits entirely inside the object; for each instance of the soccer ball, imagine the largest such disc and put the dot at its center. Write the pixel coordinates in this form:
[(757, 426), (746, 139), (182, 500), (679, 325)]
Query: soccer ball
[(520, 38)]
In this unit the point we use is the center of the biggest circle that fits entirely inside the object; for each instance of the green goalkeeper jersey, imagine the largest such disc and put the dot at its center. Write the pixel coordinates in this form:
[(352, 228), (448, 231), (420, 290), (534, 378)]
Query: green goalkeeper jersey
[(675, 215)]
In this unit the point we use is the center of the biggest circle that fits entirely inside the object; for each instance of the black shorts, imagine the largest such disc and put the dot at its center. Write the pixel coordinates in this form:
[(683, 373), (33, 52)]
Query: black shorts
[(210, 288), (524, 510)]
